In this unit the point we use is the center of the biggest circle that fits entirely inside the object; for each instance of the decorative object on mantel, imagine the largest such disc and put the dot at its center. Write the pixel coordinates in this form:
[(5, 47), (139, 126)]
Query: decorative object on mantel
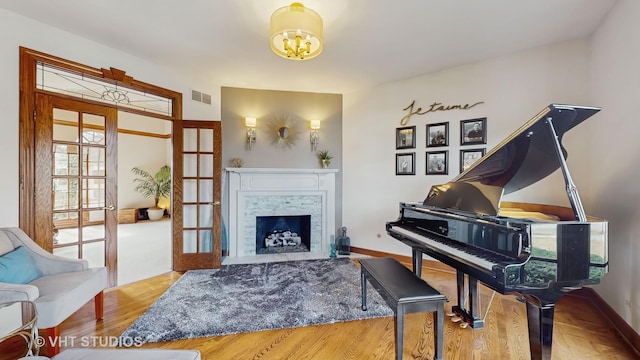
[(314, 134), (436, 106), (241, 298), (283, 131), (236, 162), (301, 23), (250, 123), (325, 158), (153, 186)]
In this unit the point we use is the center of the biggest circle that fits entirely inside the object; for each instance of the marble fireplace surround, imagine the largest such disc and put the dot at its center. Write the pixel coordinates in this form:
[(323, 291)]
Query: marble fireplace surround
[(278, 192)]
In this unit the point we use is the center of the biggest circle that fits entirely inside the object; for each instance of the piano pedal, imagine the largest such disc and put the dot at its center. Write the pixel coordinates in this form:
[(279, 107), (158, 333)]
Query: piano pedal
[(450, 314), (464, 325), (456, 319)]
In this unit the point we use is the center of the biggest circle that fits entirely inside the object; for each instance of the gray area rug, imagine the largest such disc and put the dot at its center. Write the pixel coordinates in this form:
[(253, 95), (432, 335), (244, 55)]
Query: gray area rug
[(256, 297)]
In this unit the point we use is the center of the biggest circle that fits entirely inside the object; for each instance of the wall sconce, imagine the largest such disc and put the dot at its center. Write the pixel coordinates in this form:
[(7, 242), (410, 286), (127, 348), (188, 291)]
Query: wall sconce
[(314, 135), (250, 123)]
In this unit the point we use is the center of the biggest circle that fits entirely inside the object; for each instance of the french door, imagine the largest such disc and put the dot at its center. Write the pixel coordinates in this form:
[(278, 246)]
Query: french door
[(197, 173), (75, 180), (68, 182)]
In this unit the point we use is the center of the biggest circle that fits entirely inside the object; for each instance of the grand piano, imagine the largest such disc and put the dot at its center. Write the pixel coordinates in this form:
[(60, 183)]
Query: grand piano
[(534, 251)]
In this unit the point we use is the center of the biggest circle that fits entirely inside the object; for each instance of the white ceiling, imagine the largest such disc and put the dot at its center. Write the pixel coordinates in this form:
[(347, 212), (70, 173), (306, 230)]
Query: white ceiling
[(367, 42)]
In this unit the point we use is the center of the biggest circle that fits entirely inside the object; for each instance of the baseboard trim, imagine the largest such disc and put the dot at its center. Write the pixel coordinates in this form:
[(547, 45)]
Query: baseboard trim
[(617, 324)]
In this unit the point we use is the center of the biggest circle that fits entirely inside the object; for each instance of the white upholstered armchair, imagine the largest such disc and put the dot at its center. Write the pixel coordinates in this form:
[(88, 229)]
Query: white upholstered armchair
[(58, 286)]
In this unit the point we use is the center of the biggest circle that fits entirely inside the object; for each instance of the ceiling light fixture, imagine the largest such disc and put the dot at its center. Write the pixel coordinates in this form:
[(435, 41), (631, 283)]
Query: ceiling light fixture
[(296, 32)]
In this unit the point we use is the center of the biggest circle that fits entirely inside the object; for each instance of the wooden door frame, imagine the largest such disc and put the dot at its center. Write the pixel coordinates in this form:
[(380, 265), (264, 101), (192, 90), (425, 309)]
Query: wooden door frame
[(26, 143)]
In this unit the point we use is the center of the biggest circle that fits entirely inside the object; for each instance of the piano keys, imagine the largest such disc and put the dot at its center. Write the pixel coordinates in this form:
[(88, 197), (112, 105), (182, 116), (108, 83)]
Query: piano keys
[(536, 252)]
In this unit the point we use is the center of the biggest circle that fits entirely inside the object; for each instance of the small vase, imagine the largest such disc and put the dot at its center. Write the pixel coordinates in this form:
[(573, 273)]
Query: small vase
[(325, 163), (332, 247)]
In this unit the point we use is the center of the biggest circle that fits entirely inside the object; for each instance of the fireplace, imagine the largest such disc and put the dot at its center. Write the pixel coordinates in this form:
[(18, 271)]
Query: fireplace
[(283, 234), (254, 193)]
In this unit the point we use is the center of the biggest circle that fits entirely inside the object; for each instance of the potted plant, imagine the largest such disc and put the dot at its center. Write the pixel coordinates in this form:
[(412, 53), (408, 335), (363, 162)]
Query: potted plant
[(153, 186), (325, 158)]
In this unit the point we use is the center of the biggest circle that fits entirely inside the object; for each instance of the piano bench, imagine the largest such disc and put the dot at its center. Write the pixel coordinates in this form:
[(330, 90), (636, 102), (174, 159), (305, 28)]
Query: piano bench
[(405, 293)]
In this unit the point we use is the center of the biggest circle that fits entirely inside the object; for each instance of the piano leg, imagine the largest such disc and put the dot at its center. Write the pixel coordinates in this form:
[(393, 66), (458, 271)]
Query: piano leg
[(417, 262), (468, 315), (460, 289), (540, 322)]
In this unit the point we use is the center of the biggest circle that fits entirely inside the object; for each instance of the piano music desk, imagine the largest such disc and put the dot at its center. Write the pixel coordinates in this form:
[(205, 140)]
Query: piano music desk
[(405, 293)]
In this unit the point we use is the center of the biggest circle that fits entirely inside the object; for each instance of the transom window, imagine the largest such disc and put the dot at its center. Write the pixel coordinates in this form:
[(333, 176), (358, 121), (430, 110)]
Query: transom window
[(62, 81)]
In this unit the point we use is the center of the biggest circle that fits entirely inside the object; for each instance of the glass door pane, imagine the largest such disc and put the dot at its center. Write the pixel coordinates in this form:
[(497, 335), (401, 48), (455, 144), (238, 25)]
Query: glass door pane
[(198, 190), (79, 182)]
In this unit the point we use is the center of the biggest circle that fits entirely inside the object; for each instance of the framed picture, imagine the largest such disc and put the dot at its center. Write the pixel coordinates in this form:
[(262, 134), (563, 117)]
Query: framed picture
[(473, 131), (469, 156), (438, 134), (405, 164), (437, 162), (405, 137)]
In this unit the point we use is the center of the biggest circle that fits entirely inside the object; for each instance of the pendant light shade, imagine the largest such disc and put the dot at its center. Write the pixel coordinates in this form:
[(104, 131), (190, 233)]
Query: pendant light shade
[(296, 32)]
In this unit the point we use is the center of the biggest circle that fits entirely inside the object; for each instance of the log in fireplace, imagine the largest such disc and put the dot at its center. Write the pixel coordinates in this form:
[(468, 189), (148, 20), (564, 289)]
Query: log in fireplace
[(282, 234)]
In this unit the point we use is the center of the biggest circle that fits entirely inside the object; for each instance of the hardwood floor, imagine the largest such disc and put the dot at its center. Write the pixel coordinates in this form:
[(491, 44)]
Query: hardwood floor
[(580, 332)]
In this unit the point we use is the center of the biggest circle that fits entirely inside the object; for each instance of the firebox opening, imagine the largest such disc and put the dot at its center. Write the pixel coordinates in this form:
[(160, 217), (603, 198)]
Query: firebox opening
[(283, 234)]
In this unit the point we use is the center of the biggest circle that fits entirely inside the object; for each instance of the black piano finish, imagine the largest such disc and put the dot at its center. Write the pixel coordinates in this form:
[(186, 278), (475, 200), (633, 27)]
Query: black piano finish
[(461, 224)]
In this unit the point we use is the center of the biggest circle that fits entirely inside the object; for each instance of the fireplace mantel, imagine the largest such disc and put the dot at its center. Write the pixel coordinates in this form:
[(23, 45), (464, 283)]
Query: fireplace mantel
[(279, 171), (279, 191)]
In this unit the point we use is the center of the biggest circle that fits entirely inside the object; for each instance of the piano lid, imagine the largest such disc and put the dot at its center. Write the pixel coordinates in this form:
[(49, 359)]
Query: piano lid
[(528, 155), (525, 157)]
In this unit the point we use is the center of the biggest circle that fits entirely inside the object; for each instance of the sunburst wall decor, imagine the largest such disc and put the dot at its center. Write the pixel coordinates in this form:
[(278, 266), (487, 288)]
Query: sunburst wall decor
[(283, 131)]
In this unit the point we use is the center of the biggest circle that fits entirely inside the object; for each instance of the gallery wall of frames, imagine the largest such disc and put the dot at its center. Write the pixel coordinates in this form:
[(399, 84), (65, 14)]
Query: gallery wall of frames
[(473, 135)]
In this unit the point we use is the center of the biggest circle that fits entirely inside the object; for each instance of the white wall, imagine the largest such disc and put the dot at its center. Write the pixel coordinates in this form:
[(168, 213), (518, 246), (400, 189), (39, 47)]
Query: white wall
[(514, 89), (37, 36), (614, 170)]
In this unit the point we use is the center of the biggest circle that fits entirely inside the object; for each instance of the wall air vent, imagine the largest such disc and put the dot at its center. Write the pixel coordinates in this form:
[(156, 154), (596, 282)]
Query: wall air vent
[(200, 97)]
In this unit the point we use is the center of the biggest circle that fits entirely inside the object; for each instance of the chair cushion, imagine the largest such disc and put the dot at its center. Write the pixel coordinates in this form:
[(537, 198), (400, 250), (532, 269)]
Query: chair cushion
[(18, 267), (63, 294), (5, 244)]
